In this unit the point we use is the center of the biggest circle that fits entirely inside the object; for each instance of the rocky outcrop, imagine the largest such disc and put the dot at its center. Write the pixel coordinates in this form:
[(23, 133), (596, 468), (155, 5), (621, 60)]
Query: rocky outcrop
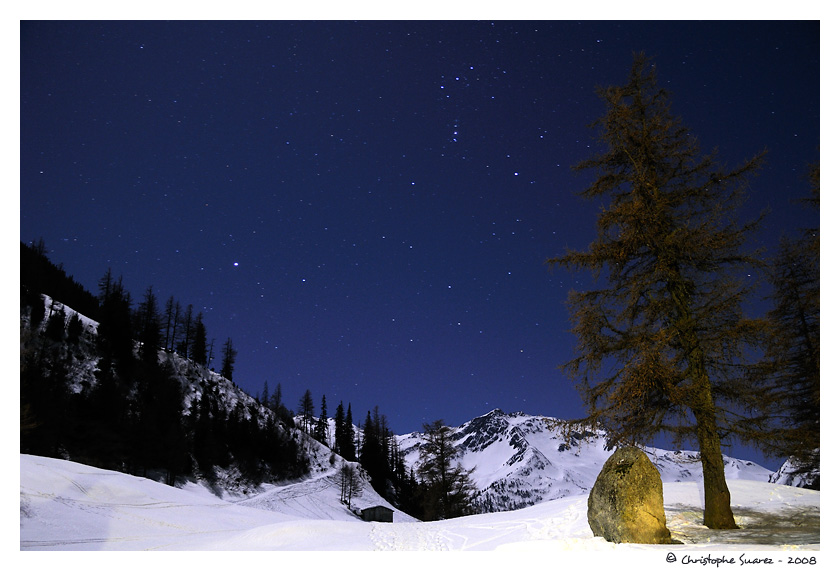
[(625, 504)]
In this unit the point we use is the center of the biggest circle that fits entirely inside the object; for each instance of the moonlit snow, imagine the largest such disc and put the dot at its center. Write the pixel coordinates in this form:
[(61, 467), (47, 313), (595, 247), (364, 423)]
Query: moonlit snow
[(70, 506)]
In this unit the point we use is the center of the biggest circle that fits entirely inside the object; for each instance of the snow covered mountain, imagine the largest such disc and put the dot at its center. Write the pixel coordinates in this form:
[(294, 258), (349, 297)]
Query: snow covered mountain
[(789, 475), (522, 460)]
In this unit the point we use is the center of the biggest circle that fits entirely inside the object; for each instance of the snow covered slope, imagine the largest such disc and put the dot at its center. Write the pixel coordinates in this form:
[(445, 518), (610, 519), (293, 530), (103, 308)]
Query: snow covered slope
[(70, 506), (789, 475), (522, 460)]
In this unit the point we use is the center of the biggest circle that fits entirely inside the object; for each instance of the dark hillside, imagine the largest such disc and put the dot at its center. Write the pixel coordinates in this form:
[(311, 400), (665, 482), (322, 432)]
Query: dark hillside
[(38, 275)]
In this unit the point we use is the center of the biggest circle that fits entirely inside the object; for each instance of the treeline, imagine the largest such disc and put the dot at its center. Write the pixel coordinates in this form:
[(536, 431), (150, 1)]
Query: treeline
[(441, 489), (130, 414), (371, 443), (176, 329), (38, 275)]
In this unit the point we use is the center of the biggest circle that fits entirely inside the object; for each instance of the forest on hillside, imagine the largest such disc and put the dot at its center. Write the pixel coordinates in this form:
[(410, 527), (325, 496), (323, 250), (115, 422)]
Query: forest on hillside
[(135, 394)]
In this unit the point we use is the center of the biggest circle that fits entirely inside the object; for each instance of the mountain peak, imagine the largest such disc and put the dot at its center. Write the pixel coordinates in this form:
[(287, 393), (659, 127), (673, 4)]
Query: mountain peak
[(522, 459)]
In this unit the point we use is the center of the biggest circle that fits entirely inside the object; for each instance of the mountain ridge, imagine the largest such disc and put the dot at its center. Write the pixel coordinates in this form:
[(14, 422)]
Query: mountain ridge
[(521, 459)]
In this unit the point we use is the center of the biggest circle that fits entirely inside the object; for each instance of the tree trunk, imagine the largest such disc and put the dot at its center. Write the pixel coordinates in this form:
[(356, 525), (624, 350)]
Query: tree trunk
[(718, 512)]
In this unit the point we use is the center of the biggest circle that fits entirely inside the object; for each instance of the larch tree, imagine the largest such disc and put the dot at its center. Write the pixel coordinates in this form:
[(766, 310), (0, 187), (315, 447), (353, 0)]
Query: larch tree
[(791, 361), (662, 334), (350, 482)]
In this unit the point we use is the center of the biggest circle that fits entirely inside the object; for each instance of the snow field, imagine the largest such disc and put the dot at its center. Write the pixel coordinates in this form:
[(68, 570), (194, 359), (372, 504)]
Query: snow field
[(69, 506)]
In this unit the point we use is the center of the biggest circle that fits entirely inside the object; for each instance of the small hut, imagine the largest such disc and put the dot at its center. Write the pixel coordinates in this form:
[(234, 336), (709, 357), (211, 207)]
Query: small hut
[(378, 513)]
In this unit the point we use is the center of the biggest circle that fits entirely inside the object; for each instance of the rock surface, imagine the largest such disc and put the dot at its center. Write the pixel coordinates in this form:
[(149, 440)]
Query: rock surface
[(625, 504)]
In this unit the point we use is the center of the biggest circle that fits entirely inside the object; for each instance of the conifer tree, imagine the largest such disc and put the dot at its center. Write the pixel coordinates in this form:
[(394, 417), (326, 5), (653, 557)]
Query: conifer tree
[(369, 449), (350, 483), (198, 351), (263, 398), (106, 283), (75, 328), (168, 321), (177, 315), (373, 454), (115, 333), (184, 346), (662, 334), (322, 426), (349, 448), (55, 329), (344, 433), (339, 427), (792, 357), (210, 354), (228, 359), (448, 490), (148, 325), (306, 408), (276, 399)]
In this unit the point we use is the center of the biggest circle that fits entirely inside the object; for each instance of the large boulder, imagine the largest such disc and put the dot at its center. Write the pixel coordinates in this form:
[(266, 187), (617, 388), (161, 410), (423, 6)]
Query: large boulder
[(625, 504)]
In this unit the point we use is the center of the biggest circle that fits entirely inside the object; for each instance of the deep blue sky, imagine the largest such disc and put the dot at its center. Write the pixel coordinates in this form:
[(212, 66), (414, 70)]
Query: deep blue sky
[(366, 208)]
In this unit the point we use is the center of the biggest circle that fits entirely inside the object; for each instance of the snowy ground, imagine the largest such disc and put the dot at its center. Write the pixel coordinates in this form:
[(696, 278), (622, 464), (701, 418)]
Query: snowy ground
[(69, 506)]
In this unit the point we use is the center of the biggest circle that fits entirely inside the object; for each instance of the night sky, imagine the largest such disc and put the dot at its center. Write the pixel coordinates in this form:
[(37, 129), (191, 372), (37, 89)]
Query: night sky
[(365, 208)]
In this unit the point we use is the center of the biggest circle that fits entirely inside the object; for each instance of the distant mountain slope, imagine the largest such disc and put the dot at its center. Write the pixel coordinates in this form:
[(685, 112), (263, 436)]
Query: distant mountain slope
[(789, 475), (520, 460)]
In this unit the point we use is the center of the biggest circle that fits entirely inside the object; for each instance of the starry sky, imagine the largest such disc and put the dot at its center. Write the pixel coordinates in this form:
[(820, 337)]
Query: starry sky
[(365, 208)]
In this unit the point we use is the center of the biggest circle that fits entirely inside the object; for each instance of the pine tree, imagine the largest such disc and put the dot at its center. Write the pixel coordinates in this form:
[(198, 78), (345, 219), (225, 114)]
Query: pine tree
[(106, 284), (339, 427), (373, 454), (263, 398), (55, 330), (276, 399), (792, 358), (662, 334), (448, 490), (322, 426), (75, 328), (168, 321), (228, 359), (306, 408), (115, 333), (147, 319), (210, 354), (349, 448), (187, 331), (198, 351), (177, 315)]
